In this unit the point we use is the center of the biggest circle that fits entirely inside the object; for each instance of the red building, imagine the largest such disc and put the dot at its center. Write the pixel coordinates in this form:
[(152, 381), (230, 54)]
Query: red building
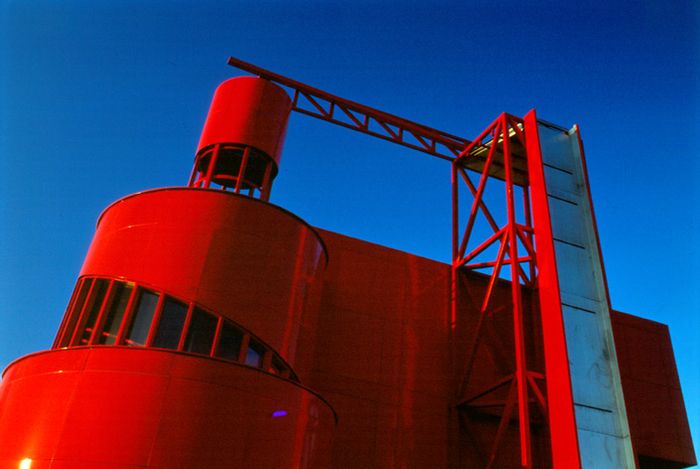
[(211, 328)]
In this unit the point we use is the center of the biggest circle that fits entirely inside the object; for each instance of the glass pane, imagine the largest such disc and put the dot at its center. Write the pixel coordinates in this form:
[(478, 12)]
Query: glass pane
[(201, 332), (143, 316), (255, 354), (230, 342), (170, 326), (92, 309), (75, 312), (65, 322), (120, 298), (277, 366)]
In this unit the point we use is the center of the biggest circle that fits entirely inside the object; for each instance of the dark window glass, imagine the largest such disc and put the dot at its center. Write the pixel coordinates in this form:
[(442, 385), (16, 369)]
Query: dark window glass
[(201, 332), (120, 299), (255, 354), (143, 316), (170, 325), (92, 310), (277, 366), (74, 313), (230, 342), (65, 322)]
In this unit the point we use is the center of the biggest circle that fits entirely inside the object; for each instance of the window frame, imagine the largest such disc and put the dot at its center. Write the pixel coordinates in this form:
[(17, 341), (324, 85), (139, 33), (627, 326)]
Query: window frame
[(79, 307)]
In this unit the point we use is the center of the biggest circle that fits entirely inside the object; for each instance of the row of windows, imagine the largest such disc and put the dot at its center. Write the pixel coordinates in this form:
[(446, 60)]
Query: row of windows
[(113, 312)]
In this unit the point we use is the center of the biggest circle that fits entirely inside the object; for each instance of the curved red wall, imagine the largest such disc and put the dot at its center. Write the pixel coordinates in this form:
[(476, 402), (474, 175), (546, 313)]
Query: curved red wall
[(128, 407), (247, 260)]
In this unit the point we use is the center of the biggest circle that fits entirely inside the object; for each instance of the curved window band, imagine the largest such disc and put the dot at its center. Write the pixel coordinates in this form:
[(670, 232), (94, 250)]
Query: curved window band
[(106, 311)]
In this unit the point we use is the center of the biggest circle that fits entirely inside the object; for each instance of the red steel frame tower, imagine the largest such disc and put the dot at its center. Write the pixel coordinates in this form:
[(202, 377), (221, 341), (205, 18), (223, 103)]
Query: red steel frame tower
[(516, 241), (171, 298), (561, 267)]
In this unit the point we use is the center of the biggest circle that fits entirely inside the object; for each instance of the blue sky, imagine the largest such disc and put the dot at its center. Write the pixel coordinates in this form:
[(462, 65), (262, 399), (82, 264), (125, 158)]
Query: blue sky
[(102, 99)]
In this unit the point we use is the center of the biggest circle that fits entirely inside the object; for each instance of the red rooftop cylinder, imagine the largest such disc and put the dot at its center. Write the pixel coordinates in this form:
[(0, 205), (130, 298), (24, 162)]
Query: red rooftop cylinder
[(249, 111)]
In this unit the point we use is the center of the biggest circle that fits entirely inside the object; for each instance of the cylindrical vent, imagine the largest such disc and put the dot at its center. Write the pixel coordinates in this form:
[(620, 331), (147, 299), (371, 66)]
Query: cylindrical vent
[(247, 112)]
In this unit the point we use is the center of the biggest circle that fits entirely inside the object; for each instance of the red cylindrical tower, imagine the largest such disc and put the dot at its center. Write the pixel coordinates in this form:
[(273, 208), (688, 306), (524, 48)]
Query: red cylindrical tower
[(241, 143), (190, 331)]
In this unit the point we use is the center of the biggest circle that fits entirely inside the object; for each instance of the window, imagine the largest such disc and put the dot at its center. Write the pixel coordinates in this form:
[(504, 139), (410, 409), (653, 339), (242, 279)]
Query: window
[(255, 354), (277, 367), (201, 332), (102, 308), (172, 319), (121, 293), (92, 310), (143, 316), (74, 313), (66, 316), (229, 342)]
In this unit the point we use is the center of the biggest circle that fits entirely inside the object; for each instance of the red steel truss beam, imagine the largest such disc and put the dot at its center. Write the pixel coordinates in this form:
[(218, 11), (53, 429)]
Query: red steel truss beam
[(355, 116), (323, 105)]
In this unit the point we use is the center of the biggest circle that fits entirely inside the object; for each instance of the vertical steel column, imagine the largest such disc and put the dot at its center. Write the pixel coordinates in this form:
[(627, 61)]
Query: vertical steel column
[(562, 420), (212, 165), (518, 329), (455, 245), (242, 170)]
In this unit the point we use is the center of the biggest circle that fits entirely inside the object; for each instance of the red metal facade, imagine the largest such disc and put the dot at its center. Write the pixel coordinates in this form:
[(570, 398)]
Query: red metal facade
[(124, 407), (389, 312), (245, 260), (653, 393), (210, 328)]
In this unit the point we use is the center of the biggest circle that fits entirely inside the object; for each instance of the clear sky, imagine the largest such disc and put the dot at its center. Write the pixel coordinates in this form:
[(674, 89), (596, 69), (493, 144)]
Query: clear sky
[(101, 99)]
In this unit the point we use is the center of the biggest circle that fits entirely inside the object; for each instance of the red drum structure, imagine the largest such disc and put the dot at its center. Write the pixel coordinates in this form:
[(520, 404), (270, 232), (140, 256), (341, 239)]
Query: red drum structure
[(211, 328)]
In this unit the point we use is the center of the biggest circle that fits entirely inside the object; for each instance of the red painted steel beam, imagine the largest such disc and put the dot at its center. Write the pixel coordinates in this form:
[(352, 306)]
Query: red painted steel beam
[(562, 420), (521, 371), (356, 116), (483, 207)]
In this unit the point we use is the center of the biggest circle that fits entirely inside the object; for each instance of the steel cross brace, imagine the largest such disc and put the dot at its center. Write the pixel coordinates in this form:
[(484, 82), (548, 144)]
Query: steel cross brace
[(499, 134), (517, 241)]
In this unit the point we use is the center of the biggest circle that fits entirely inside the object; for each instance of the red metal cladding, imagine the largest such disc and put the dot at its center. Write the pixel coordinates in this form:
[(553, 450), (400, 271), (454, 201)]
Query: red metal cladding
[(249, 111), (249, 261), (123, 407), (653, 394), (382, 356)]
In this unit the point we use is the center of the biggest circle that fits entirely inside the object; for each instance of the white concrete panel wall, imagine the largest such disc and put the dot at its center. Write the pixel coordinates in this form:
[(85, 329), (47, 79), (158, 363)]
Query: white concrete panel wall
[(601, 419)]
